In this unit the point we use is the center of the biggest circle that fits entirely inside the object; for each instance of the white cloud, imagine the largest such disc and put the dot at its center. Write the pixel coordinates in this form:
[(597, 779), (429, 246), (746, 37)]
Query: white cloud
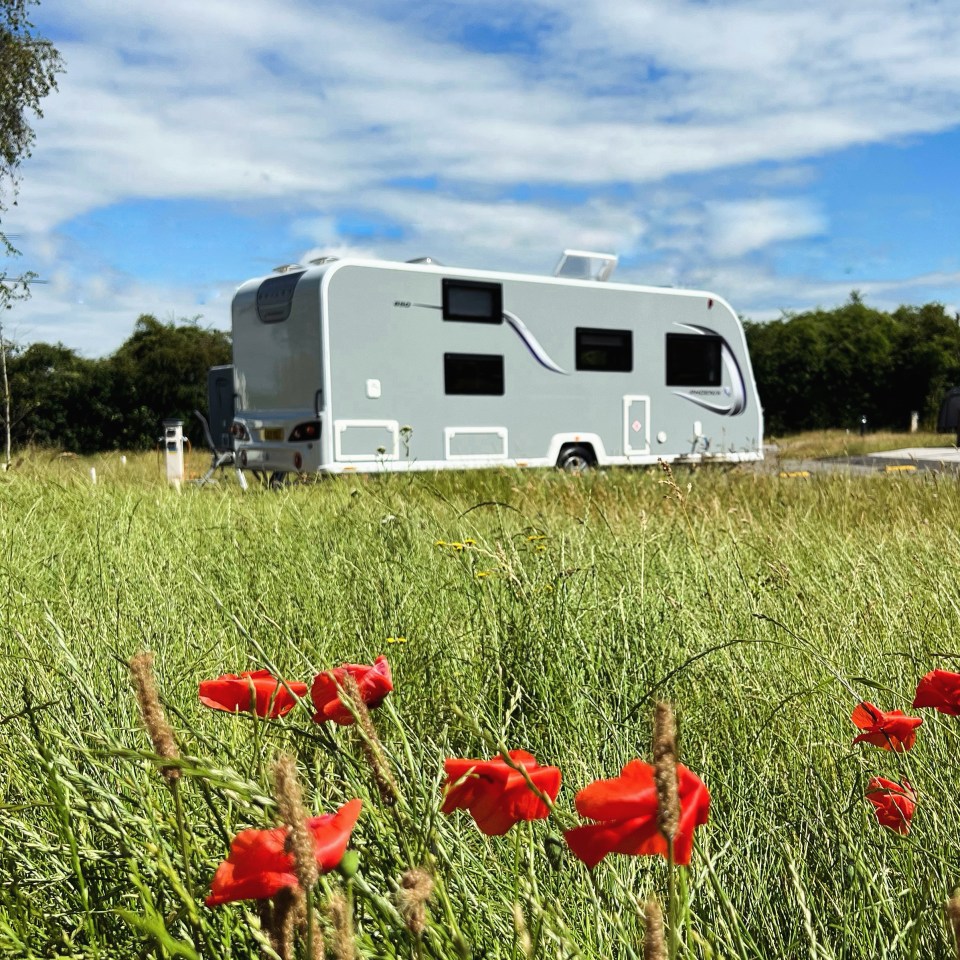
[(354, 98), (318, 109), (736, 228)]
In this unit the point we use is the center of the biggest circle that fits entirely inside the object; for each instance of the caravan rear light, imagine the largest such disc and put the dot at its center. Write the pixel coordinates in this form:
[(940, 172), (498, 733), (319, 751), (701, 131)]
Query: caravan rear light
[(239, 431), (305, 431), (297, 460), (243, 458)]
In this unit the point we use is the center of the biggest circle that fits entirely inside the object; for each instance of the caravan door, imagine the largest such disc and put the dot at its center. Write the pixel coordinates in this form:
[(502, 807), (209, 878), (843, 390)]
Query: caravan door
[(636, 425)]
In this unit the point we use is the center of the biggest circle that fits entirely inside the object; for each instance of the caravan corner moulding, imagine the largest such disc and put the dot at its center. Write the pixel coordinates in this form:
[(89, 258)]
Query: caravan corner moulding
[(368, 365)]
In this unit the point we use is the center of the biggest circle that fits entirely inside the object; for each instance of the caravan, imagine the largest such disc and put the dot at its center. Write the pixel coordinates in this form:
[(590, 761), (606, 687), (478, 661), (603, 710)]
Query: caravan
[(350, 365)]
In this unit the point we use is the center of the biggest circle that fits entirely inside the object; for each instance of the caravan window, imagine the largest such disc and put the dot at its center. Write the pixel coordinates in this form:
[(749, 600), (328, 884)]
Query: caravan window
[(610, 350), (693, 360), (473, 373), (275, 296), (473, 301)]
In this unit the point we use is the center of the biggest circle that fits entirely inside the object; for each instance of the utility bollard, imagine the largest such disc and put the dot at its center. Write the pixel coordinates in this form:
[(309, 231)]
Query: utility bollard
[(173, 448)]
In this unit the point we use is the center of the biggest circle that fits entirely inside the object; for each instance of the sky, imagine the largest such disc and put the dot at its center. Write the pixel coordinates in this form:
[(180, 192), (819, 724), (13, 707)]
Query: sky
[(778, 154)]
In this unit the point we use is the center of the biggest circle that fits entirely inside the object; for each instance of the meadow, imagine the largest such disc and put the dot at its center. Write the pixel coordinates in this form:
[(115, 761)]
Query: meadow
[(528, 611)]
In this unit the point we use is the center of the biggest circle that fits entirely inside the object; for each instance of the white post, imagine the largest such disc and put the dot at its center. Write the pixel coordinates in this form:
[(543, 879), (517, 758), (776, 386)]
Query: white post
[(173, 448)]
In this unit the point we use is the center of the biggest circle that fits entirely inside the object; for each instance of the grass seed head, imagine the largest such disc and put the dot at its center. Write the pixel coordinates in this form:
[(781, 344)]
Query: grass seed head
[(372, 747), (953, 920), (654, 942), (279, 918), (344, 945), (523, 933), (665, 770), (290, 801), (416, 887), (154, 719)]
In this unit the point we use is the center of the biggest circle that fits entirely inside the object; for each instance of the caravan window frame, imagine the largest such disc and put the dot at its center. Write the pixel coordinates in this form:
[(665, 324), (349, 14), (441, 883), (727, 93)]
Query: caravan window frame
[(618, 357), (275, 297), (454, 379), (452, 310), (685, 369)]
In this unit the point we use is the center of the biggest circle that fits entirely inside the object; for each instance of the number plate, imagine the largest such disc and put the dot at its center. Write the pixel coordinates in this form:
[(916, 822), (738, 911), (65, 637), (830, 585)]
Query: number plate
[(273, 433)]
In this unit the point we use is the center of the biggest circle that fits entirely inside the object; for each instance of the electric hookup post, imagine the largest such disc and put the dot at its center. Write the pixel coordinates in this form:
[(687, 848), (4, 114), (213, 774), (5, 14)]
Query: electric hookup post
[(173, 447)]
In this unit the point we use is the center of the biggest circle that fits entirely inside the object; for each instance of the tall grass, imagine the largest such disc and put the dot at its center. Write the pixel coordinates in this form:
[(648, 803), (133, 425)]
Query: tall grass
[(537, 611)]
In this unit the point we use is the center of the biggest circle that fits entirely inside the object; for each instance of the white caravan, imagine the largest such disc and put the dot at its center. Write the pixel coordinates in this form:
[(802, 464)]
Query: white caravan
[(349, 365)]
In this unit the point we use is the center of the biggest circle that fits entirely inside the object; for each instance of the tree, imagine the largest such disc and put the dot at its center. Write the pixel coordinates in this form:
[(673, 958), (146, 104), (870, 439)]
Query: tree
[(829, 368), (68, 402), (928, 357), (161, 372), (28, 72)]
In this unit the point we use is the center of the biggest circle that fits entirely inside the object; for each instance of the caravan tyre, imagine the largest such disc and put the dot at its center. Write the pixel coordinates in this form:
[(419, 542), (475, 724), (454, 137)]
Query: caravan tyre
[(575, 459)]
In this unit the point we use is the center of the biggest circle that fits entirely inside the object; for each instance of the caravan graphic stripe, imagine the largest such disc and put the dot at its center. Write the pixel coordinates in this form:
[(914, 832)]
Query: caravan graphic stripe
[(532, 344)]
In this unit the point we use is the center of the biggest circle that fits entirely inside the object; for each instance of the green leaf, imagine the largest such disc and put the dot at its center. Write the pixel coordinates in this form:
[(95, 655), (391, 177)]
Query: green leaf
[(152, 926)]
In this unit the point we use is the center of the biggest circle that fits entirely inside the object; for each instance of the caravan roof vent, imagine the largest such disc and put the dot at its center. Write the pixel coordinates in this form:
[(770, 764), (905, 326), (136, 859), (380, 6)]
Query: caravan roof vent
[(428, 261), (584, 265), (316, 261), (287, 267)]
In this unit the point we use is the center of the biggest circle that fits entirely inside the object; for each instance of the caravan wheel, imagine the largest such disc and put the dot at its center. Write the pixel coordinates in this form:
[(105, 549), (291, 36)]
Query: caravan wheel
[(576, 459)]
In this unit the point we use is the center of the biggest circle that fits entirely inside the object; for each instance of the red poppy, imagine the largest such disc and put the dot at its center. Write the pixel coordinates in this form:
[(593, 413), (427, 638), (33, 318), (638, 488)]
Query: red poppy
[(259, 866), (374, 683), (232, 692), (626, 810), (893, 803), (891, 730), (496, 794), (939, 689)]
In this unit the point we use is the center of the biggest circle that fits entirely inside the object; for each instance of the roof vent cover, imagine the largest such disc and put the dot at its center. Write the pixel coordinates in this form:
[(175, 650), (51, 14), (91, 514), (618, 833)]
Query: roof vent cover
[(585, 265)]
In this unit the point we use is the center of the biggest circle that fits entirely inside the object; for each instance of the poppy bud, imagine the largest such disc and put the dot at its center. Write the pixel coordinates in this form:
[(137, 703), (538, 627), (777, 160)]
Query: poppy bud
[(350, 864), (553, 849)]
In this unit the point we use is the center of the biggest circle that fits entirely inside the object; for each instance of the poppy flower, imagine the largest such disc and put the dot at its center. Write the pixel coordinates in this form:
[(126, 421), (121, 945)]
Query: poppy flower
[(625, 809), (893, 803), (374, 683), (890, 730), (233, 692), (259, 866), (497, 795), (939, 689)]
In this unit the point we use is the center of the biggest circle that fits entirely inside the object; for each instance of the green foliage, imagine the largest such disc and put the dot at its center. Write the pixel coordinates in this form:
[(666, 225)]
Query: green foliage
[(29, 66), (162, 371), (828, 368), (64, 401), (749, 601)]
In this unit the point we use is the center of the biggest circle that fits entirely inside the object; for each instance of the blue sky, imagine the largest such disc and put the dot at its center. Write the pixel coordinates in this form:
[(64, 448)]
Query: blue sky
[(778, 154)]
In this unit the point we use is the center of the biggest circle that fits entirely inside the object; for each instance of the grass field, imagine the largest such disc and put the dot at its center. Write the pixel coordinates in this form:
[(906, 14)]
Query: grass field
[(533, 611)]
